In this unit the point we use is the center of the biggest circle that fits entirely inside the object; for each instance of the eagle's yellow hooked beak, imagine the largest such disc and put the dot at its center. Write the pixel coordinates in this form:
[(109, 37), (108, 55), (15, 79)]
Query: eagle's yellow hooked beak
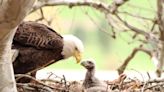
[(78, 56)]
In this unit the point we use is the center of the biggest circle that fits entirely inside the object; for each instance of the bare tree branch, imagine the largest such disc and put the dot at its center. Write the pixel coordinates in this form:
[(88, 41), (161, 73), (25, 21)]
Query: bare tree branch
[(100, 28), (136, 30), (131, 56), (42, 15), (134, 15), (12, 13), (116, 4), (160, 15), (160, 21), (97, 5)]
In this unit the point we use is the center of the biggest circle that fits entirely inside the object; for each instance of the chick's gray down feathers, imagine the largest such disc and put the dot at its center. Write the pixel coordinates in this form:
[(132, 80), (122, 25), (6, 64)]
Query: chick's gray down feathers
[(91, 83)]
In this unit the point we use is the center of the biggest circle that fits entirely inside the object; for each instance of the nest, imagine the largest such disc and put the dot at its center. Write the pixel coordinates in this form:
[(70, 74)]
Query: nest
[(58, 84)]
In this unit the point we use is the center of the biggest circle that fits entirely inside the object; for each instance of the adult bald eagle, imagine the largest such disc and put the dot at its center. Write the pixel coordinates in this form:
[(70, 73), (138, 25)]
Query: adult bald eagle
[(40, 46)]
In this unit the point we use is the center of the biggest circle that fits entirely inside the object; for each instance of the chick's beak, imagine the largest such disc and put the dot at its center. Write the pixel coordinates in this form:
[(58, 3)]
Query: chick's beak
[(78, 56)]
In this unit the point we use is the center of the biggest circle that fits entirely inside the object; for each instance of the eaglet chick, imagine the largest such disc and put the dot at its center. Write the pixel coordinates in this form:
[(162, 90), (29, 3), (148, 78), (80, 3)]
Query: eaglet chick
[(91, 83)]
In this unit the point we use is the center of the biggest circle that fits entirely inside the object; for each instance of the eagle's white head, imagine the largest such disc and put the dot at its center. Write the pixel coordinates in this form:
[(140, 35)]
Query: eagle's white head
[(73, 46)]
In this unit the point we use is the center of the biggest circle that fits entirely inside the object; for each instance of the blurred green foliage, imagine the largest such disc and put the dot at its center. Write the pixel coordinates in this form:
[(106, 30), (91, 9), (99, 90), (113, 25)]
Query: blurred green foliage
[(109, 53)]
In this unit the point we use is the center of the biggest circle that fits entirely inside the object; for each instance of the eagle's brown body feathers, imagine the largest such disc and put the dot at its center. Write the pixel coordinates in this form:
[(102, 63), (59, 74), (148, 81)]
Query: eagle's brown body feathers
[(38, 45)]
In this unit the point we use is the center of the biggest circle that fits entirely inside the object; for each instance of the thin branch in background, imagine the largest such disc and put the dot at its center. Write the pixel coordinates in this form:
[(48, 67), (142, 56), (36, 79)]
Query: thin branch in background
[(134, 15), (73, 20), (97, 5), (141, 8), (139, 74), (113, 35), (131, 56), (116, 4), (100, 28), (115, 22), (42, 16), (134, 29), (153, 26)]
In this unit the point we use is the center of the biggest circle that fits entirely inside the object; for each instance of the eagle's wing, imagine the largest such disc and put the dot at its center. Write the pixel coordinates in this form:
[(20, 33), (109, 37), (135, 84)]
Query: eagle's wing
[(38, 36)]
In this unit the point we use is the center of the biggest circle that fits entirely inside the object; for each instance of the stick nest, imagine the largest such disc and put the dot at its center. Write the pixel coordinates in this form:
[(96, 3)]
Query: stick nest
[(60, 84)]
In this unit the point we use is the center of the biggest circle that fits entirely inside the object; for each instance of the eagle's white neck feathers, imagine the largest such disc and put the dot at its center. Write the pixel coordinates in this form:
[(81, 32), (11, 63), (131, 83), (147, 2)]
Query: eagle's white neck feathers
[(70, 44)]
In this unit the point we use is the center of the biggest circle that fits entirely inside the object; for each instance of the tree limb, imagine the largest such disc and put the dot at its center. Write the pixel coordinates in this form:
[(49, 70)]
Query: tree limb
[(130, 57), (136, 30), (160, 21), (11, 14), (116, 4), (97, 5)]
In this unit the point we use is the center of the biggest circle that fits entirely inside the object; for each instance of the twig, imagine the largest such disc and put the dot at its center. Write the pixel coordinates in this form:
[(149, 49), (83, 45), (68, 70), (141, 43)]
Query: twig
[(140, 7), (42, 15), (100, 28), (131, 56), (30, 77), (151, 86), (156, 80), (140, 74), (65, 82), (52, 74), (137, 16), (33, 87), (97, 5), (49, 80), (148, 75), (136, 30), (116, 4), (152, 28), (38, 81)]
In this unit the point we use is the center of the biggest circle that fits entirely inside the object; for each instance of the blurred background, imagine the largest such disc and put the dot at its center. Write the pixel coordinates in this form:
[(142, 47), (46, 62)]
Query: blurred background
[(93, 29)]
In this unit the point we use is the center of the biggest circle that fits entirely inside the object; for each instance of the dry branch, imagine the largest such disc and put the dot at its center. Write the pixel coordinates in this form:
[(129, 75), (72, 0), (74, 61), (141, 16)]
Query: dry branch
[(136, 30), (136, 16), (130, 57), (116, 4), (97, 5), (160, 21), (30, 87), (12, 13), (38, 84)]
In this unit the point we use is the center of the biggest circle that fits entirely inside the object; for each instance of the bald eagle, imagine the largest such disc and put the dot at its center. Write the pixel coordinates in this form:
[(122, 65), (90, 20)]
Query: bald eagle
[(40, 46)]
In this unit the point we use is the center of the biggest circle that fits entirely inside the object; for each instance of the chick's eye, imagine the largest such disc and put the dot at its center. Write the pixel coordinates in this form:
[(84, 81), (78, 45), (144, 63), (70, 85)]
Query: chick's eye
[(76, 48), (89, 62)]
